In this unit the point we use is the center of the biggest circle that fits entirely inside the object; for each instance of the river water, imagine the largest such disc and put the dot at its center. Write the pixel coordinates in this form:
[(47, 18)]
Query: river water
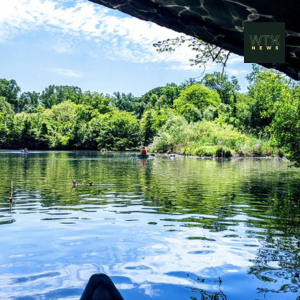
[(162, 228)]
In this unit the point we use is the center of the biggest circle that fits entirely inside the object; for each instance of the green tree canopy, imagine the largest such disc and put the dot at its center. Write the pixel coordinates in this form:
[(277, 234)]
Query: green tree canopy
[(118, 130), (267, 89), (286, 122), (29, 101), (10, 90), (194, 100), (222, 85), (54, 95)]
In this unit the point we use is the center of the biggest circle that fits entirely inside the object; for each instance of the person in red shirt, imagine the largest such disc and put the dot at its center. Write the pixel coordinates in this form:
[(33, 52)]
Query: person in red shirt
[(143, 151)]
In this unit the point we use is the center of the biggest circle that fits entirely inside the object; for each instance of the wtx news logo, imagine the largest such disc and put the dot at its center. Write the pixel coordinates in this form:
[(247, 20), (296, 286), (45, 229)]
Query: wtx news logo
[(264, 42)]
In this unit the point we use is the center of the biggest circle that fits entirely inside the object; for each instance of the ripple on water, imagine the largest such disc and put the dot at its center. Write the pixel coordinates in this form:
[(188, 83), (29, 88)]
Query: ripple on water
[(140, 267), (59, 219), (4, 221), (201, 238), (202, 252), (25, 279), (234, 219)]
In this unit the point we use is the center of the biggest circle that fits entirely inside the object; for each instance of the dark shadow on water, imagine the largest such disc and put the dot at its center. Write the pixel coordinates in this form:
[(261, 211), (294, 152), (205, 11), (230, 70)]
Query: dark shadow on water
[(20, 280), (57, 294), (278, 262)]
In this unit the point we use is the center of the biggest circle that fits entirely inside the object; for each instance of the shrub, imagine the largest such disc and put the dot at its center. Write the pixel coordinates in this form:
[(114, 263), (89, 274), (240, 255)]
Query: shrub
[(162, 143), (223, 152)]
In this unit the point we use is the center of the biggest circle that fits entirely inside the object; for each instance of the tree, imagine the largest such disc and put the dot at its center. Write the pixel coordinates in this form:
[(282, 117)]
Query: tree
[(10, 90), (147, 126), (226, 89), (6, 113), (286, 123), (118, 130), (223, 86), (98, 101), (244, 103), (5, 107), (267, 89), (29, 101), (194, 100), (205, 52), (148, 101), (123, 101), (54, 95), (65, 120), (57, 125), (171, 93)]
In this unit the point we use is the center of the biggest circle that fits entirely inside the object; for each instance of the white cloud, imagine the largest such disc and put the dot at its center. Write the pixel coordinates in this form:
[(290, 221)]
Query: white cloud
[(64, 72), (63, 46), (234, 59), (80, 22), (182, 66), (235, 72)]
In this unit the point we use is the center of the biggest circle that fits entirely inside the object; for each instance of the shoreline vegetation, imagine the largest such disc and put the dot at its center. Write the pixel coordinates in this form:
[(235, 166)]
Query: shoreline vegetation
[(205, 118), (210, 139), (157, 154)]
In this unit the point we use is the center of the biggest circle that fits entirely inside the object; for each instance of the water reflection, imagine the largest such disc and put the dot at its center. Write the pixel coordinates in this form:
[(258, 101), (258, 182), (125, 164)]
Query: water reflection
[(162, 228), (278, 260)]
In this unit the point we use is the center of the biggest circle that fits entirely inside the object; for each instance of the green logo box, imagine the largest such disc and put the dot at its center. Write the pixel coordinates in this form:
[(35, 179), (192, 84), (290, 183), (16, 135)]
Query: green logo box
[(264, 42)]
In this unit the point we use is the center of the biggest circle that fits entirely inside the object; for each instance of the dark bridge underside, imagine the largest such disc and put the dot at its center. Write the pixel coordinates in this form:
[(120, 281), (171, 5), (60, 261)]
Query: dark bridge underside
[(220, 22)]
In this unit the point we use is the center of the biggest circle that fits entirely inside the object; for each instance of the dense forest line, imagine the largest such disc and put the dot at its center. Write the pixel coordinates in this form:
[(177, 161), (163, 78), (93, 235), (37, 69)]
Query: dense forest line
[(209, 117)]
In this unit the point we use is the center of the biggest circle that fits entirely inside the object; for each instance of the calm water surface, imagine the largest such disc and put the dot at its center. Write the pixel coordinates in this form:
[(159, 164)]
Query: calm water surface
[(181, 229)]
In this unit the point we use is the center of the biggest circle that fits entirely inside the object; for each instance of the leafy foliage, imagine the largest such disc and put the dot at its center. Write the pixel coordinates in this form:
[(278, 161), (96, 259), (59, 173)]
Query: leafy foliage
[(194, 100), (9, 89), (268, 90), (207, 138), (205, 52), (210, 118), (53, 95), (286, 123)]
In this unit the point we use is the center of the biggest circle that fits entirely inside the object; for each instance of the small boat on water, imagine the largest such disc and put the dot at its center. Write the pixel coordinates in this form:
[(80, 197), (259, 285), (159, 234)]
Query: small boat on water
[(143, 156)]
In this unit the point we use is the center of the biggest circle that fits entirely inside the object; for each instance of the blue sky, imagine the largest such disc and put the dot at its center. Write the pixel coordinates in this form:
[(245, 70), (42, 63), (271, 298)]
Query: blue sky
[(79, 43)]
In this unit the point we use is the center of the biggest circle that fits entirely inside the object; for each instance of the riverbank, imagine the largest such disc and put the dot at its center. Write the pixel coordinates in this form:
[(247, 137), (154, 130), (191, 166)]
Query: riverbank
[(151, 154), (211, 139)]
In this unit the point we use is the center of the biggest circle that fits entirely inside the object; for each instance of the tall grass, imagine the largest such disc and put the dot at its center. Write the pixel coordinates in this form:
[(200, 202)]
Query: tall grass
[(207, 138)]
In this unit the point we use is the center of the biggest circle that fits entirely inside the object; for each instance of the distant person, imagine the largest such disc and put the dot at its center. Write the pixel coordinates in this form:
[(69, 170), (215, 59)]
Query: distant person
[(143, 151)]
